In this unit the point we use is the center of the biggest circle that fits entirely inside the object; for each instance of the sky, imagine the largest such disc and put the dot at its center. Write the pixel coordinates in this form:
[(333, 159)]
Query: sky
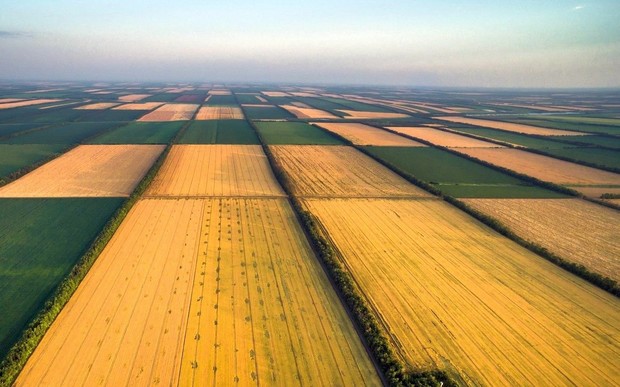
[(436, 43)]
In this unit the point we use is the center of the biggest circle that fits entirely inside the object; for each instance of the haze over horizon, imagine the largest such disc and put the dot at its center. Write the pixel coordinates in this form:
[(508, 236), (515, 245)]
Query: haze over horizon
[(478, 43)]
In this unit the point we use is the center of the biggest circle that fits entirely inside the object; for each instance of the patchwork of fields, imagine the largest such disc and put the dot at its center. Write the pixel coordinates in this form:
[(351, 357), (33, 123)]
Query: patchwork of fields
[(236, 239)]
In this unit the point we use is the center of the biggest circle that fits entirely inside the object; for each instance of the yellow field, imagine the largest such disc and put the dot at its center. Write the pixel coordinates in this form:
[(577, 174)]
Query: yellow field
[(133, 97), (339, 171), (97, 106), (544, 167), (139, 106), (511, 127), (361, 134), (219, 113), (219, 92), (458, 296), (88, 171), (275, 93), (574, 229), (171, 112), (29, 102), (188, 285), (441, 138), (215, 170), (7, 100), (308, 112), (354, 114)]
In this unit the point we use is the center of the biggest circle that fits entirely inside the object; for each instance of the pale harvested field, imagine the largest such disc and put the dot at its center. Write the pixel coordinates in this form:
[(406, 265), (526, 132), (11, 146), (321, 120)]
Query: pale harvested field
[(219, 92), (574, 229), (219, 113), (441, 138), (308, 112), (596, 192), (88, 171), (262, 99), (262, 310), (7, 100), (511, 127), (256, 105), (354, 114), (189, 286), (361, 134), (171, 112), (340, 171), (275, 93), (533, 107), (215, 170), (97, 106), (29, 102), (133, 97), (458, 296), (303, 94), (543, 167), (139, 106)]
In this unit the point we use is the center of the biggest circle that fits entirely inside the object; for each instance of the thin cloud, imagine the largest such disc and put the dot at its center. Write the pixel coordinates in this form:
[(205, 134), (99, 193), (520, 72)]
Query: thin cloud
[(577, 8), (14, 34)]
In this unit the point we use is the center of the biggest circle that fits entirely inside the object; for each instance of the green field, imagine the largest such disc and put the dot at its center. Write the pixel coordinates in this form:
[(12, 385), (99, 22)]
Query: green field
[(605, 157), (247, 98), (140, 133), (14, 157), (547, 122), (112, 115), (353, 105), (40, 241), (585, 120), (162, 97), (456, 176), (9, 129), (513, 138), (266, 113), (221, 100), (324, 104), (609, 142), (71, 133), (219, 132), (294, 133)]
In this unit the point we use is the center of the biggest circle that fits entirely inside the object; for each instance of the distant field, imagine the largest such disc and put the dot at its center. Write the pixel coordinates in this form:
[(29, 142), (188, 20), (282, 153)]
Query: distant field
[(215, 170), (16, 156), (308, 112), (219, 132), (219, 113), (140, 133), (248, 98), (294, 133), (441, 138), (565, 125), (70, 133), (221, 100), (88, 171), (340, 171), (266, 113), (605, 157), (40, 241), (354, 105), (171, 112), (609, 142), (360, 134), (9, 129), (457, 296), (455, 175), (518, 139), (509, 127), (577, 230)]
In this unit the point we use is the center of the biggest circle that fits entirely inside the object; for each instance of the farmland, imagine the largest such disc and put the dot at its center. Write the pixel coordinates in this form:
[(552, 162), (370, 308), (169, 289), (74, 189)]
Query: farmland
[(16, 157), (510, 127), (360, 134), (441, 138), (506, 321), (219, 132), (267, 112), (219, 113), (69, 133), (571, 228), (339, 171), (294, 133), (140, 133), (40, 240), (307, 112), (171, 112), (215, 170), (87, 171)]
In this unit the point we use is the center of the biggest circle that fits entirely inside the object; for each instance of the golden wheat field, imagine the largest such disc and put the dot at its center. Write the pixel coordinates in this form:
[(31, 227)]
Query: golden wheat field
[(455, 295), (511, 127), (219, 113), (133, 97), (171, 112), (308, 112), (339, 171), (215, 170), (203, 292), (442, 138), (97, 106), (139, 106), (355, 114), (30, 102), (360, 134), (87, 171), (577, 230)]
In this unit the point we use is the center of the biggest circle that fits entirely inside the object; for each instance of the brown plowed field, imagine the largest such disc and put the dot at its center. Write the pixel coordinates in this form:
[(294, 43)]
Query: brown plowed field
[(171, 112), (441, 138), (219, 113), (88, 171), (340, 171), (458, 296), (360, 134), (203, 292), (215, 170), (544, 167), (574, 229), (511, 127)]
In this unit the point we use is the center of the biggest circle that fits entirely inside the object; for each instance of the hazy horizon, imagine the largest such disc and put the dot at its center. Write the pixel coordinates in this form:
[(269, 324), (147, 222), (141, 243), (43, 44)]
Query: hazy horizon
[(485, 44)]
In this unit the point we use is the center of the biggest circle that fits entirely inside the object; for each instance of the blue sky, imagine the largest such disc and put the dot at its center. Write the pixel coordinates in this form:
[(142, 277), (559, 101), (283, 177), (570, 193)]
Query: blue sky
[(527, 43)]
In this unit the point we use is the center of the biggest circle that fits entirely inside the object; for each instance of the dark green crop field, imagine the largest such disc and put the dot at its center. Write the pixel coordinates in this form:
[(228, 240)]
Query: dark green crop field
[(266, 113), (40, 241), (71, 133), (219, 132), (294, 133), (14, 157), (140, 133)]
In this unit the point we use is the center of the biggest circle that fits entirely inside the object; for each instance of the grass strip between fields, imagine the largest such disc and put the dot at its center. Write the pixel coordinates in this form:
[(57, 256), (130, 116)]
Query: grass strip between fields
[(17, 356), (392, 369), (579, 270)]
